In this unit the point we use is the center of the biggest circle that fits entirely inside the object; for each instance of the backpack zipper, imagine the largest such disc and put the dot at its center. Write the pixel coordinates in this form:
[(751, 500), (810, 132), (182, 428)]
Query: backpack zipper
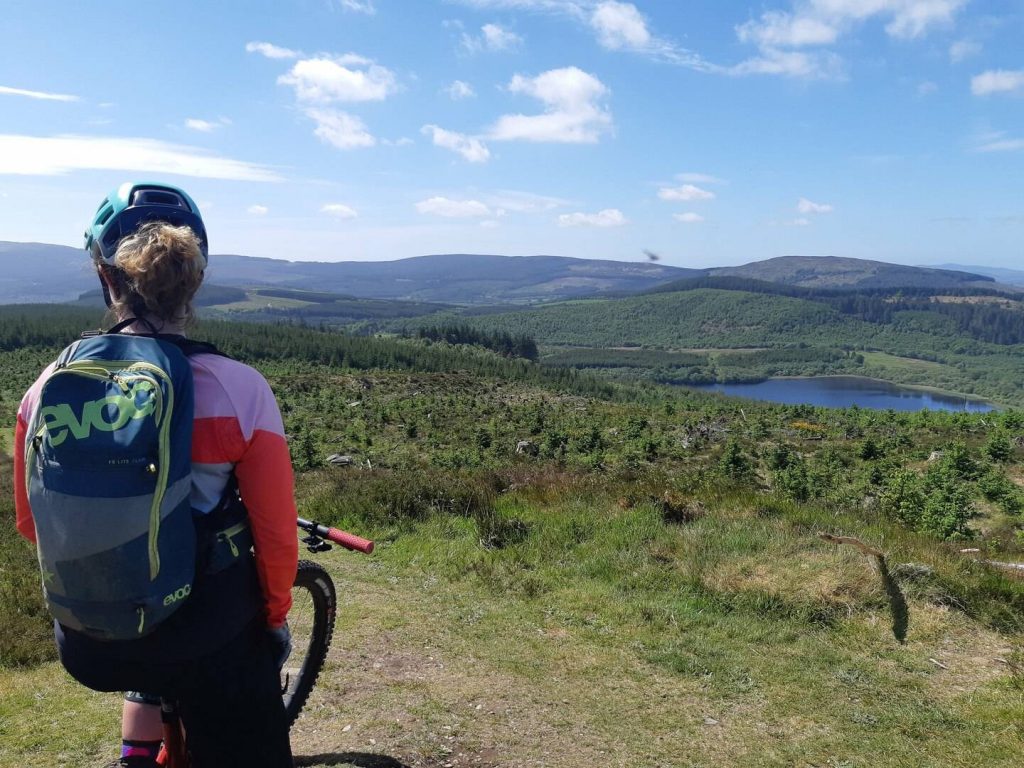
[(226, 535), (31, 452)]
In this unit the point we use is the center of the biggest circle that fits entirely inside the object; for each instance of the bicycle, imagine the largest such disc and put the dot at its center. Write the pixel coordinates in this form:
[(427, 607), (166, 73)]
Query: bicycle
[(311, 620)]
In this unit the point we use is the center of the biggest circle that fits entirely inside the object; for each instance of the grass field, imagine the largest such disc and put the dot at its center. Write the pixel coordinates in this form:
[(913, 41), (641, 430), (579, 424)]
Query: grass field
[(256, 302), (645, 587), (604, 634), (885, 361)]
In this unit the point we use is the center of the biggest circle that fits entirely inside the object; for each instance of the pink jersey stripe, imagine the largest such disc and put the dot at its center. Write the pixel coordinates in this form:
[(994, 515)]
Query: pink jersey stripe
[(226, 387)]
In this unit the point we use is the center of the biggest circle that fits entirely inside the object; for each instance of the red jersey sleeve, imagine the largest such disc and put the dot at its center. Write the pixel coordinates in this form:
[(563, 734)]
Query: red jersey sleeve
[(22, 511), (267, 486)]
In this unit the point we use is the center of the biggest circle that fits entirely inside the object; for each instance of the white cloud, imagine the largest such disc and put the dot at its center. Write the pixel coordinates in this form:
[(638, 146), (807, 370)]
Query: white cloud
[(620, 25), (339, 211), (812, 23), (997, 141), (358, 6), (470, 147), (821, 22), (257, 210), (341, 129), (206, 126), (808, 66), (40, 95), (806, 206), (489, 224), (616, 25), (998, 81), (57, 155), (325, 80), (453, 209), (347, 78), (609, 217), (271, 51), (963, 49), (927, 88), (781, 29), (499, 39), (460, 90), (685, 193), (688, 218), (801, 222), (573, 112), (492, 38), (1003, 145), (912, 18), (524, 202)]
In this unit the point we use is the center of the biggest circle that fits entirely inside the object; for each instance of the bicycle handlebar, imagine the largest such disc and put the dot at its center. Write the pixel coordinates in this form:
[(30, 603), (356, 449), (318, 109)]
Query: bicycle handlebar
[(338, 536)]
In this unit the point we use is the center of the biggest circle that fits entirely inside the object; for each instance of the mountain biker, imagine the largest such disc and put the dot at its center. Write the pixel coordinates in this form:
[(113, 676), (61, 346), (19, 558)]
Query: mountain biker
[(219, 654)]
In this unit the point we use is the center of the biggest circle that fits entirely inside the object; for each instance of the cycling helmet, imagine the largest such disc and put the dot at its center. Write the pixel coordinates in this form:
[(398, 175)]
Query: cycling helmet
[(133, 204)]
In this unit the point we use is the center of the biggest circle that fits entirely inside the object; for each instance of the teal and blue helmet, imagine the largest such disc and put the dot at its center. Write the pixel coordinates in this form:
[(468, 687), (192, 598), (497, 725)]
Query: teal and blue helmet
[(133, 204)]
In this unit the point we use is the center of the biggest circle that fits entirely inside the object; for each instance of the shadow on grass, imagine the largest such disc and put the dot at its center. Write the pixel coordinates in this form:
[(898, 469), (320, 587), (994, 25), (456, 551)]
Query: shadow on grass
[(357, 759)]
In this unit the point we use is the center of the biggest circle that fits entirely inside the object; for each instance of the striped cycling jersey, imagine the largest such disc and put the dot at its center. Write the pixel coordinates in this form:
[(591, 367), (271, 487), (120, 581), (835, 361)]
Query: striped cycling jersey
[(237, 426)]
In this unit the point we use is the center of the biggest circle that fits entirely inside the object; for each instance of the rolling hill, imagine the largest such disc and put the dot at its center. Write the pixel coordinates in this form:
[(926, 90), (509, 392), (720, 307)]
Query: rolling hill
[(1008, 276), (451, 278), (833, 272), (973, 346), (38, 272)]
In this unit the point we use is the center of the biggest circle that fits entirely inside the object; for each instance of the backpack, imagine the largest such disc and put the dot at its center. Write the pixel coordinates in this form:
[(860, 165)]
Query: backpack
[(108, 474)]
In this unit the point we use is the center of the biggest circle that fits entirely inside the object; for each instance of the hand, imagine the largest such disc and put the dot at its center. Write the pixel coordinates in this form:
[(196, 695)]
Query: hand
[(280, 644)]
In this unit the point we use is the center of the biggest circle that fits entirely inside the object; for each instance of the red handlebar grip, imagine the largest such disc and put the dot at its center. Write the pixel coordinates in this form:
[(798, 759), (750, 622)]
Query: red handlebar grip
[(350, 541)]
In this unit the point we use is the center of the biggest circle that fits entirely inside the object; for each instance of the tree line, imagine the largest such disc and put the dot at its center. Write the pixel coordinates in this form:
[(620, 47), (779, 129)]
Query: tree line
[(502, 342)]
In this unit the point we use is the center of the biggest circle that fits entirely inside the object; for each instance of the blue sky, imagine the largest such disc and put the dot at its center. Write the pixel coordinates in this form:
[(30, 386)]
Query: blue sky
[(709, 132)]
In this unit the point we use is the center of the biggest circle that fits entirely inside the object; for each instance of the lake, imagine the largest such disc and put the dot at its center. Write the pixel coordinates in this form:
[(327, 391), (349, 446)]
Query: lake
[(844, 391)]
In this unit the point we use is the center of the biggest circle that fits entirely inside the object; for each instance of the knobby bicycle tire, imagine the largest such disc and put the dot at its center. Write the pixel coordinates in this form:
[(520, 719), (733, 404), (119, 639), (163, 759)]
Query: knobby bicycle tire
[(314, 605)]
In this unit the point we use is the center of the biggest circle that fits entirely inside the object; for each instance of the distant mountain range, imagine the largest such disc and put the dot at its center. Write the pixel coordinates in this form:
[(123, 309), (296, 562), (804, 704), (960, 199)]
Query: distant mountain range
[(841, 273), (451, 278), (38, 272), (1008, 276)]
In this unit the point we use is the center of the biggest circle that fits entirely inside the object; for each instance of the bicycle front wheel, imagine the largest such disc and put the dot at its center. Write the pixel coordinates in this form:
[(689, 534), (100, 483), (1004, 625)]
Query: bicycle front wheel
[(311, 620)]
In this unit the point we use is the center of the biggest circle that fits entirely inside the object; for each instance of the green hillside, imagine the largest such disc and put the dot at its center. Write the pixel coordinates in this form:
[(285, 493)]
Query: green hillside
[(645, 580), (976, 341), (700, 318)]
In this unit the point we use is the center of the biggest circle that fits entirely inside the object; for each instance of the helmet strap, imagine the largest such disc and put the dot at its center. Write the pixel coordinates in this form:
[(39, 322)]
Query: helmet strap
[(106, 294), (129, 321)]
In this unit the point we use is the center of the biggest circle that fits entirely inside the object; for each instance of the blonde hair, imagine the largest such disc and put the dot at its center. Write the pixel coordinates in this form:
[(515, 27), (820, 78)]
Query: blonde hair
[(158, 270)]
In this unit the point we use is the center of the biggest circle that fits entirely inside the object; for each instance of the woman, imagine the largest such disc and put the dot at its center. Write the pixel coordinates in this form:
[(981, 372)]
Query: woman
[(219, 654)]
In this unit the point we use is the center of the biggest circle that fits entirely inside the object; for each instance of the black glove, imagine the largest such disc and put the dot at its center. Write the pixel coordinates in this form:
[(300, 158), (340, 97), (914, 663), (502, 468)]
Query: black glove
[(280, 644)]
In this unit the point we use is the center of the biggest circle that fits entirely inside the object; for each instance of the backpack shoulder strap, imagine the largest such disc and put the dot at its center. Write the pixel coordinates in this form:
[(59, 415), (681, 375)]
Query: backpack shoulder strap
[(192, 347), (67, 354), (188, 347)]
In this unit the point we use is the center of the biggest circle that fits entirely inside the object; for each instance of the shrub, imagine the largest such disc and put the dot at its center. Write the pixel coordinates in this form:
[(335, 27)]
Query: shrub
[(27, 634), (734, 464), (793, 481), (999, 448), (869, 450)]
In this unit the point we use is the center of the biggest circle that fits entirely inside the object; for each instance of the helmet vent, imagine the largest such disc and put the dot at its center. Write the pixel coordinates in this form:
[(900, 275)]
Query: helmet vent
[(158, 197), (105, 216)]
